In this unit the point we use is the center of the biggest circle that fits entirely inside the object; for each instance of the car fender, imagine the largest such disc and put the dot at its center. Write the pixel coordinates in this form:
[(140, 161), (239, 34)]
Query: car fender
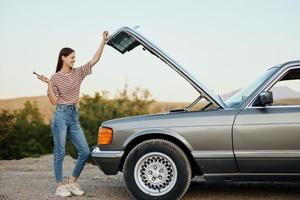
[(167, 132)]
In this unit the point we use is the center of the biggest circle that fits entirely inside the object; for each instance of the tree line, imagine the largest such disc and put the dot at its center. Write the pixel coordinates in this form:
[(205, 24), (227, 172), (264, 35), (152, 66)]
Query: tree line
[(23, 133)]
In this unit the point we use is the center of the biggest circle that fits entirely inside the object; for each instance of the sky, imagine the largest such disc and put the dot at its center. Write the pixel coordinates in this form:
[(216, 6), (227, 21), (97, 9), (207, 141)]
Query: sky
[(224, 44)]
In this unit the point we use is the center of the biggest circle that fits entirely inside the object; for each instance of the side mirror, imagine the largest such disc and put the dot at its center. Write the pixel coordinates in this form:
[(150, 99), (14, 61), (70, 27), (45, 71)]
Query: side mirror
[(263, 99)]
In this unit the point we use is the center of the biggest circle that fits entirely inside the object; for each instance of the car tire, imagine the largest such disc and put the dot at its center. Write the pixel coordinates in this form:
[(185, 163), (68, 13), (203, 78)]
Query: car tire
[(157, 169)]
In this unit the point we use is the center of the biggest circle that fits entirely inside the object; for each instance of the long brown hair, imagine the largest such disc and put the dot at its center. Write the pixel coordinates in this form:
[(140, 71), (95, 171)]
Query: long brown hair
[(63, 52)]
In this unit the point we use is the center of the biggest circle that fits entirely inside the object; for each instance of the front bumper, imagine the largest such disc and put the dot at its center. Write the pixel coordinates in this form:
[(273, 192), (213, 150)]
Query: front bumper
[(107, 161)]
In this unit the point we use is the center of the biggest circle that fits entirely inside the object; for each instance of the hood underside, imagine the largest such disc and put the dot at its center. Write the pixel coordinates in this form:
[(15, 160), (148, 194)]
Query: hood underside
[(125, 39)]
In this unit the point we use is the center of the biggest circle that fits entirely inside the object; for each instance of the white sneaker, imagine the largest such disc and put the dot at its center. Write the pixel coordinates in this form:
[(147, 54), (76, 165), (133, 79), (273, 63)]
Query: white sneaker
[(75, 189), (63, 191)]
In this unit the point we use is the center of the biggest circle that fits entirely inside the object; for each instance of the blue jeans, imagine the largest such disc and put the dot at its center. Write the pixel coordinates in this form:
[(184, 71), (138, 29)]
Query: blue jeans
[(65, 123)]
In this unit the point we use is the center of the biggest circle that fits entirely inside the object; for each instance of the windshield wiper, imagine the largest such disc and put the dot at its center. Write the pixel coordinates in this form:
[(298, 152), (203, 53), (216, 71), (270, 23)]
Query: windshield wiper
[(178, 110)]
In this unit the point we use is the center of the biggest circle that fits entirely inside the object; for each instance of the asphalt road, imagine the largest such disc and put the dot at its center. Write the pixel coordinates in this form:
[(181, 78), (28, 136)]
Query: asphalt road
[(32, 178)]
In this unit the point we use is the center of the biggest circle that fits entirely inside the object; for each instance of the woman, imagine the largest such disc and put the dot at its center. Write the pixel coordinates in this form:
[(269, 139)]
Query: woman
[(63, 91)]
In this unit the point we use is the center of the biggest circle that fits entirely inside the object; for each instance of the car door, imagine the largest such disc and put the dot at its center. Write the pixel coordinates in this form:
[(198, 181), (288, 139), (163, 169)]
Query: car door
[(266, 139)]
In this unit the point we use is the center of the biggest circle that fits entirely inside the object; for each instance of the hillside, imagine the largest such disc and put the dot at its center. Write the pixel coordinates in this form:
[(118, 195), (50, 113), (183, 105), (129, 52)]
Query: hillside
[(45, 107)]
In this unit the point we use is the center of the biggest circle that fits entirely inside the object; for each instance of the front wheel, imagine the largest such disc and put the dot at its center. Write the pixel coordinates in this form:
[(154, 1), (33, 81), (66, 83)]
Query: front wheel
[(157, 169)]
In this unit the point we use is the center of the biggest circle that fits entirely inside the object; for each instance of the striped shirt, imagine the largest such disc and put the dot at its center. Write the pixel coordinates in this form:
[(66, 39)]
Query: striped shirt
[(66, 87)]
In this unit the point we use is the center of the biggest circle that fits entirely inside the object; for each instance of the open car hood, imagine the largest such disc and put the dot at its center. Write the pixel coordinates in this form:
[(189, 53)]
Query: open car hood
[(125, 39)]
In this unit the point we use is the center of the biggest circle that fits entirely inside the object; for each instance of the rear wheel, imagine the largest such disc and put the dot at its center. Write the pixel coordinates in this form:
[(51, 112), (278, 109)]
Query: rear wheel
[(157, 169)]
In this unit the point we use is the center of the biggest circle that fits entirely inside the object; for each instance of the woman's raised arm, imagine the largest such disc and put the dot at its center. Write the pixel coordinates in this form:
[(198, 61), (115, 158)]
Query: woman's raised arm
[(99, 51)]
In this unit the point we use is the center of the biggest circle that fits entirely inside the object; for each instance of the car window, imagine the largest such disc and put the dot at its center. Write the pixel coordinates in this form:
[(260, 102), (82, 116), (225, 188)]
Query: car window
[(237, 99), (287, 90)]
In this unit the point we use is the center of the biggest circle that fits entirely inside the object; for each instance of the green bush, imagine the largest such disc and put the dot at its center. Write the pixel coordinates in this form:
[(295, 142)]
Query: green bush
[(94, 110), (23, 133)]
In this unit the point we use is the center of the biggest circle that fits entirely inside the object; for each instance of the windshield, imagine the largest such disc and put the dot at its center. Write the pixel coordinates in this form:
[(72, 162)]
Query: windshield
[(237, 99)]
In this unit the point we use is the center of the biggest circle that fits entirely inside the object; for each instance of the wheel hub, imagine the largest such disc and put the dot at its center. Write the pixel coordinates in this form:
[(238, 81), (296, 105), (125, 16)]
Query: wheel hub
[(155, 173)]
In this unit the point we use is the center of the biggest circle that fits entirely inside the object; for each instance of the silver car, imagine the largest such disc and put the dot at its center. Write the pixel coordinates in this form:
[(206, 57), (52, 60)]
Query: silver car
[(251, 136)]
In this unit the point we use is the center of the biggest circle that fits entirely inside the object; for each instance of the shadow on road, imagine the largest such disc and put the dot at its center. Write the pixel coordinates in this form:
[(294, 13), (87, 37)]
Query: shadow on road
[(246, 190)]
